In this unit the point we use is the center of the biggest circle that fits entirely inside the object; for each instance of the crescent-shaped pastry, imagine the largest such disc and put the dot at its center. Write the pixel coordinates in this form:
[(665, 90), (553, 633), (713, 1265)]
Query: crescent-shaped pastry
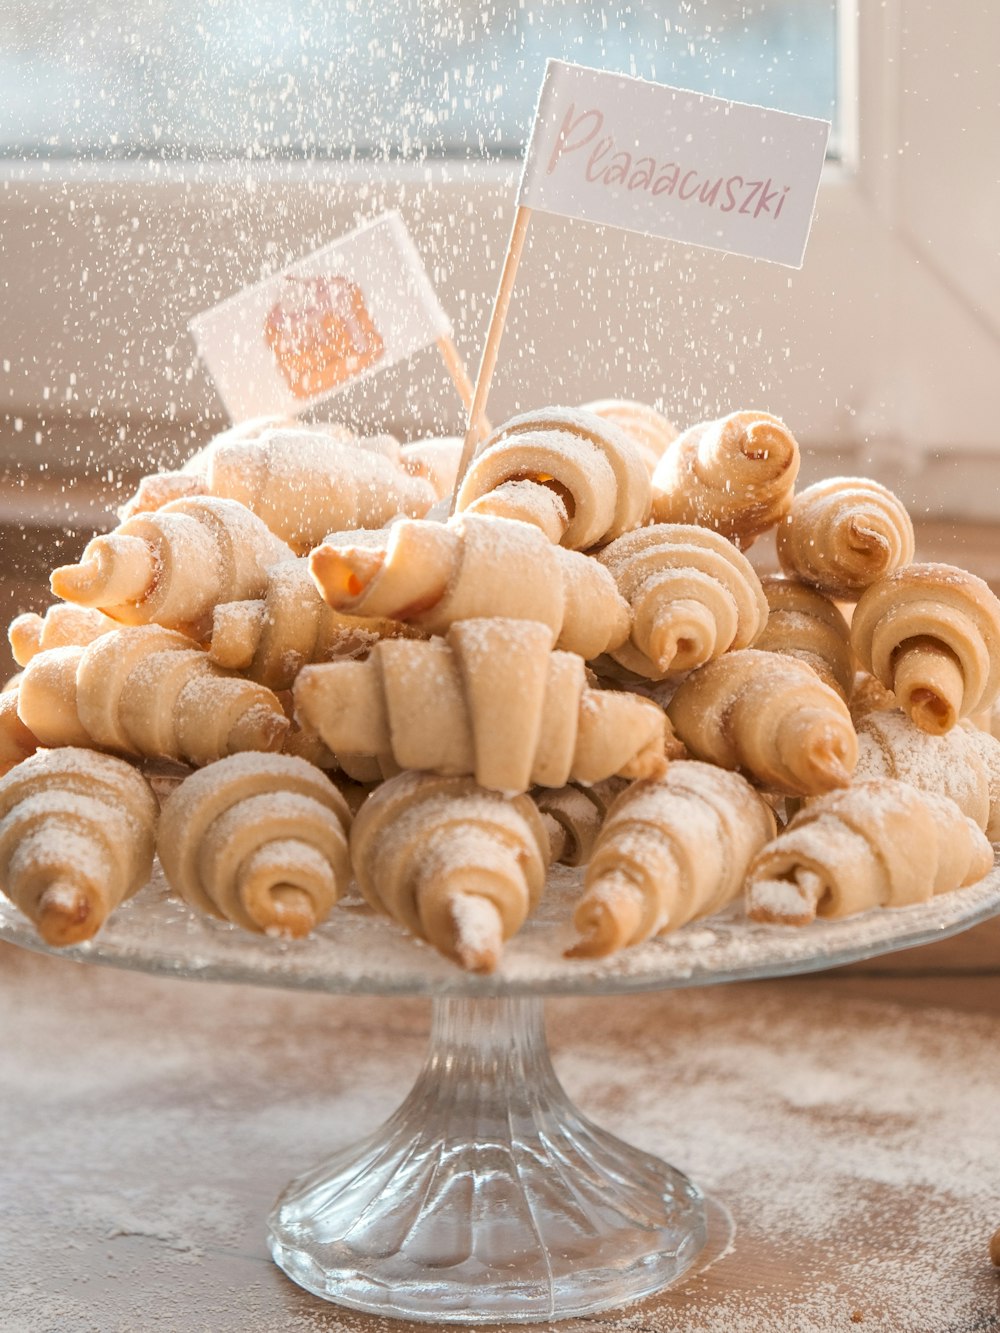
[(769, 716), (890, 746), (457, 866), (693, 597), (492, 700), (803, 623), (173, 566), (843, 534), (432, 575), (574, 475), (879, 843), (259, 840), (649, 430), (269, 638), (61, 625), (147, 691), (735, 475), (77, 831), (669, 851), (930, 633)]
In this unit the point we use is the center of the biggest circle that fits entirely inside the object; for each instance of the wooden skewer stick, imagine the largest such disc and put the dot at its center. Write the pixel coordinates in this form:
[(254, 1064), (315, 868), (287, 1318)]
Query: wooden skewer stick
[(456, 369), (477, 412)]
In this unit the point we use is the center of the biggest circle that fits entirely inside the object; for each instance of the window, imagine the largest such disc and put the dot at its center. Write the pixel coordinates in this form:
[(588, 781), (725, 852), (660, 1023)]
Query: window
[(372, 78)]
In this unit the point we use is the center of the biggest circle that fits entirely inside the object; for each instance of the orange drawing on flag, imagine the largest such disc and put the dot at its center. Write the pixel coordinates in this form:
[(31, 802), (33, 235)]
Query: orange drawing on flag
[(322, 334)]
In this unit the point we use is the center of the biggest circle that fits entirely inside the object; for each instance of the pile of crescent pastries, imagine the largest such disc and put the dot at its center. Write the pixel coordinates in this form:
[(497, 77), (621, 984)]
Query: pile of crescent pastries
[(285, 670)]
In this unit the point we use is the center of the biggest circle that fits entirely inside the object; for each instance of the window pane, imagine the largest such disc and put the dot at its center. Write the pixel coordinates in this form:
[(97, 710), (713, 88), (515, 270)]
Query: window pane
[(409, 78)]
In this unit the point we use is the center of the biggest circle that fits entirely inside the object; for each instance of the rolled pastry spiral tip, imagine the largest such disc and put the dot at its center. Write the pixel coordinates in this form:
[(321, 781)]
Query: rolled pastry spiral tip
[(116, 568), (342, 576), (789, 901), (607, 918), (259, 728), (292, 912), (65, 915), (683, 636), (826, 757), (929, 685), (478, 932)]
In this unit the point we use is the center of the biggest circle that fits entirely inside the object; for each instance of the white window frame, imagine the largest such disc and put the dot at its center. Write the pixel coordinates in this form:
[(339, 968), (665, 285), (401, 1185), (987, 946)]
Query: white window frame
[(877, 350)]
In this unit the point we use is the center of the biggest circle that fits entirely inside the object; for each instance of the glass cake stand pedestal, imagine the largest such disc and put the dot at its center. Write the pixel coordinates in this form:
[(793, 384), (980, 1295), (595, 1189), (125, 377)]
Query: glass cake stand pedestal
[(488, 1197)]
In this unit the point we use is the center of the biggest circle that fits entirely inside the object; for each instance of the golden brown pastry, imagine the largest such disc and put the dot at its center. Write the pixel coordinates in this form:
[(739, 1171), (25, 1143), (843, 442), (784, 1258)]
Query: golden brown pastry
[(879, 843), (573, 816), (890, 746), (649, 430), (769, 716), (931, 634), (62, 624), (575, 476), (433, 574), (803, 623), (259, 840), (693, 597), (669, 851), (147, 691), (270, 638), (987, 749), (735, 475), (77, 831), (16, 741), (172, 567), (457, 866), (843, 534), (492, 700)]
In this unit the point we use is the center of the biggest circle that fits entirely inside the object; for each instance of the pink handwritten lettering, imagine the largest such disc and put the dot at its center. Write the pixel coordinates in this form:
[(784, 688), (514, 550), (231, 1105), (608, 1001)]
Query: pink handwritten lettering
[(568, 126)]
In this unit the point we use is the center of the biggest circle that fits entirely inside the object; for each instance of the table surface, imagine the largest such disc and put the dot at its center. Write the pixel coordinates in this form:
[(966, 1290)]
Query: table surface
[(848, 1121)]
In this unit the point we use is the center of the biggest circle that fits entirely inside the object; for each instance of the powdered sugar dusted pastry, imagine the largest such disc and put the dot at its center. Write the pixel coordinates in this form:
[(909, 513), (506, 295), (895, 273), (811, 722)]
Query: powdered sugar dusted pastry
[(77, 831), (432, 575), (573, 817), (259, 840), (16, 741), (843, 534), (649, 430), (457, 866), (147, 691), (173, 566), (669, 851), (803, 623), (769, 716), (931, 634), (574, 475), (492, 701), (693, 597), (270, 638), (879, 843), (735, 475), (890, 746), (61, 624), (304, 484)]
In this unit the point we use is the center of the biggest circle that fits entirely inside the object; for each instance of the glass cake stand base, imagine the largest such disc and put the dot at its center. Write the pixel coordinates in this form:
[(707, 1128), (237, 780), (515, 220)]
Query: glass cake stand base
[(487, 1197)]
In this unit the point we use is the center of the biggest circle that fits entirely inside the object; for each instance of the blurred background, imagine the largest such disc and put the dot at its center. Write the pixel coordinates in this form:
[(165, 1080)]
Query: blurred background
[(157, 158)]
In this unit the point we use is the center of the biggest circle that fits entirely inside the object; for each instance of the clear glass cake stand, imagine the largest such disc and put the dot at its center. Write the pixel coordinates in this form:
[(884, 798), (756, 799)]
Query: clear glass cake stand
[(487, 1197)]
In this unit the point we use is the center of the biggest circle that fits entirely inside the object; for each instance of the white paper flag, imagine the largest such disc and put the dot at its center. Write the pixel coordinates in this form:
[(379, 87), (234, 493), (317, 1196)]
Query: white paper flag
[(330, 320), (674, 163)]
